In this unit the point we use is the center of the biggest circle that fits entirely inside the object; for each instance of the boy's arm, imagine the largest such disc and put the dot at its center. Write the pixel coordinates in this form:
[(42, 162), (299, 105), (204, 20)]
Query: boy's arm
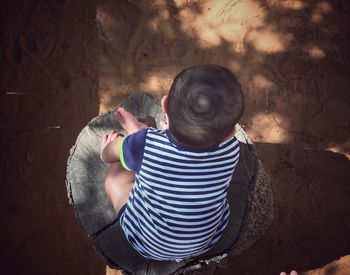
[(111, 147)]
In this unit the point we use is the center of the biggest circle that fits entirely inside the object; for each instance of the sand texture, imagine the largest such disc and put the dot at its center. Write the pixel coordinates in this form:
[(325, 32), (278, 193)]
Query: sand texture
[(64, 62)]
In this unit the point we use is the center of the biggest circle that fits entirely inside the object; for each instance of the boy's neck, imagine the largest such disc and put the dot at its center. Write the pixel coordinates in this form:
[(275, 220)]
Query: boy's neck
[(206, 148)]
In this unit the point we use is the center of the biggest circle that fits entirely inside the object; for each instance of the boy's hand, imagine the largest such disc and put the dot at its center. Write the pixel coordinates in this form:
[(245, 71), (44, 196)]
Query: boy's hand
[(164, 125), (106, 140), (128, 122)]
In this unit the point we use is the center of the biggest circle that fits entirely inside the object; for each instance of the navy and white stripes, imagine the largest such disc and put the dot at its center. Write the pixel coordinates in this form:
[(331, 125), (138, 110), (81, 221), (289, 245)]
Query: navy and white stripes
[(177, 207)]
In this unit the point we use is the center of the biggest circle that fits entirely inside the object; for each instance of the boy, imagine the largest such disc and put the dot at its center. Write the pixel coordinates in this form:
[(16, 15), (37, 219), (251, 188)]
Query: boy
[(169, 186)]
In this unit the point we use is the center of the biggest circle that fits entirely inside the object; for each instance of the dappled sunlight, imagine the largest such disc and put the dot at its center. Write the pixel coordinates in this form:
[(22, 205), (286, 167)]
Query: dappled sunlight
[(161, 22), (240, 22), (181, 4), (265, 129), (288, 4), (268, 40), (339, 150), (111, 92), (107, 24), (322, 9), (164, 26), (195, 24), (314, 51), (265, 43), (293, 5), (153, 25), (343, 148), (224, 20), (104, 102), (209, 38), (262, 82), (235, 66), (158, 83)]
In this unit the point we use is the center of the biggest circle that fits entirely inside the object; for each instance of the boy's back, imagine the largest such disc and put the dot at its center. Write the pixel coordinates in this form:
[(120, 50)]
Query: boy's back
[(177, 207)]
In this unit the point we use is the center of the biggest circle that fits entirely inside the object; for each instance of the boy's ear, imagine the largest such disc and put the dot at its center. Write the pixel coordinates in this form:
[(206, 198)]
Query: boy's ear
[(164, 103)]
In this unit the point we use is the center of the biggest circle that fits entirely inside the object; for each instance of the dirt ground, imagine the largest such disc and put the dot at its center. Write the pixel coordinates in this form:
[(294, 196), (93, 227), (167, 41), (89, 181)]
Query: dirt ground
[(64, 62)]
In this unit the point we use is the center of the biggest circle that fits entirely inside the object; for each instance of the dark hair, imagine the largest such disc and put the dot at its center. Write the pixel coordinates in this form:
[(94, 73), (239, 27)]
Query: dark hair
[(204, 104)]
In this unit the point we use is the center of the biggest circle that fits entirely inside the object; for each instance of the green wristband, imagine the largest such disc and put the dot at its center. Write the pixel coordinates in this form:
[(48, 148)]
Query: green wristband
[(122, 160)]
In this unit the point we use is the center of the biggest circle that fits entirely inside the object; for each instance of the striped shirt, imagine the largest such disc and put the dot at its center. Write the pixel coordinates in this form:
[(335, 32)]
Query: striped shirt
[(177, 207)]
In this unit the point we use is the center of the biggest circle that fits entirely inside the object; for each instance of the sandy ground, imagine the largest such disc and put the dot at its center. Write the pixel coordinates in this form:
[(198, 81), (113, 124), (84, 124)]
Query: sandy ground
[(64, 62)]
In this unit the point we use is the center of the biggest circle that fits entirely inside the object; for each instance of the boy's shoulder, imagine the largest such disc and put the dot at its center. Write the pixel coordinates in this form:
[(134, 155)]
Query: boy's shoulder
[(152, 132), (166, 141), (144, 133)]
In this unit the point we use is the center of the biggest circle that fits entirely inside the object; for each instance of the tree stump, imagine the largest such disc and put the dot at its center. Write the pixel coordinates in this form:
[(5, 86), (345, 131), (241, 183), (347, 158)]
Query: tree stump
[(249, 195)]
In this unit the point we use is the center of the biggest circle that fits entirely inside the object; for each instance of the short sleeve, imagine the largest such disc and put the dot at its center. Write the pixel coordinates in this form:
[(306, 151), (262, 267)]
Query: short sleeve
[(132, 149)]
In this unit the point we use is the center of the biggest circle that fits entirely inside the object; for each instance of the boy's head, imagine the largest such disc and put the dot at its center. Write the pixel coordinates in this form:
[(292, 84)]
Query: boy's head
[(204, 104)]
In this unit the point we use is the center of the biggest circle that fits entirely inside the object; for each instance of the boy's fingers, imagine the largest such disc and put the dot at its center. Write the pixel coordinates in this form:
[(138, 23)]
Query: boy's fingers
[(121, 110), (119, 113), (163, 125), (114, 136), (104, 138), (110, 135)]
